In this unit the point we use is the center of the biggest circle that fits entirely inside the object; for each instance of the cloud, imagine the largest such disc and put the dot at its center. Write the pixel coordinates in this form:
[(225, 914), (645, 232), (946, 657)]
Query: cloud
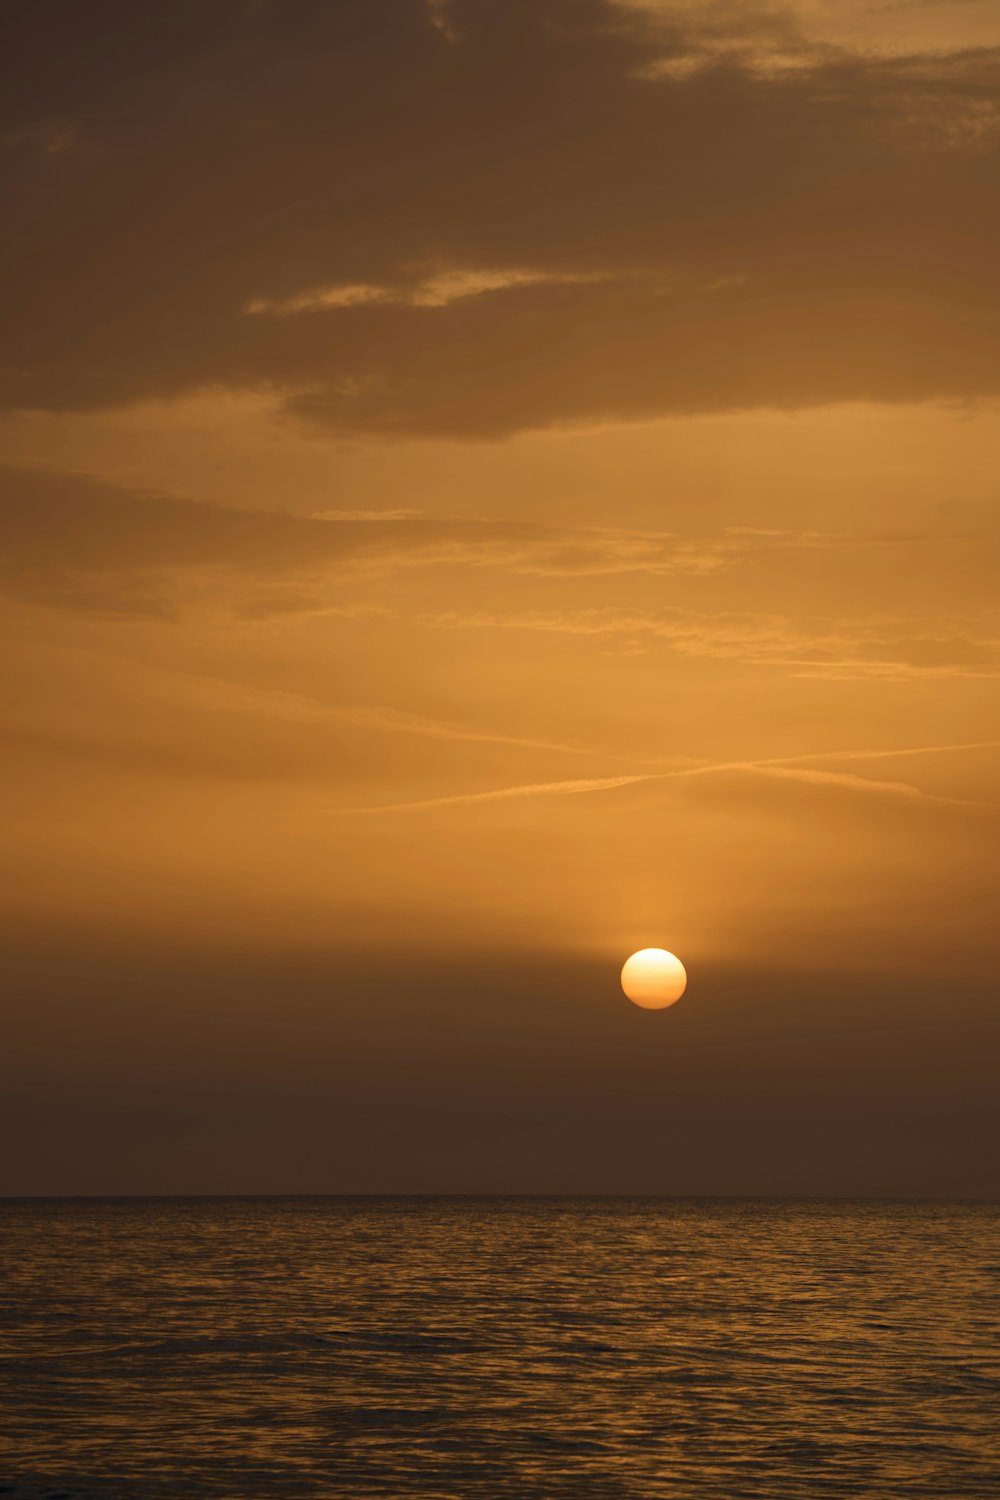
[(513, 793), (400, 513), (487, 218), (114, 709), (852, 783), (785, 768), (875, 647), (812, 30), (191, 690), (427, 291), (76, 543), (82, 546)]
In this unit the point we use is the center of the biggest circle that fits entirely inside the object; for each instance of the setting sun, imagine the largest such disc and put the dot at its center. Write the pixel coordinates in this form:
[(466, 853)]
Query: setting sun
[(654, 978)]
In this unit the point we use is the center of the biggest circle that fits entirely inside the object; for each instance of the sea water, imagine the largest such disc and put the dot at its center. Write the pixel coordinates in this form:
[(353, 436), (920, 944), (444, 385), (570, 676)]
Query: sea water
[(527, 1347)]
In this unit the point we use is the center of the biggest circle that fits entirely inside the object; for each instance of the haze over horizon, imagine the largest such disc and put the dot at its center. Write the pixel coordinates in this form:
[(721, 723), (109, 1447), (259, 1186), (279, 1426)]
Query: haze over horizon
[(485, 489)]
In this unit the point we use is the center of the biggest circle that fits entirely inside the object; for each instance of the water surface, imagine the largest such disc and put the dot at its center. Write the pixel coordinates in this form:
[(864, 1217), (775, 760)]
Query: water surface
[(452, 1348)]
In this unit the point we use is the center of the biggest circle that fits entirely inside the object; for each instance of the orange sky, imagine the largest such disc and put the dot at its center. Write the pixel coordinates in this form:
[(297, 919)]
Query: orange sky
[(489, 488)]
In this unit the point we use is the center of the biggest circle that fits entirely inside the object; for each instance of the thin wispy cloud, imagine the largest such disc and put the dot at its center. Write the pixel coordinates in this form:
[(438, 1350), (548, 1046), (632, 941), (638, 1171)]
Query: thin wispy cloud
[(782, 768), (511, 793), (68, 540), (210, 694), (875, 647), (437, 289), (865, 784)]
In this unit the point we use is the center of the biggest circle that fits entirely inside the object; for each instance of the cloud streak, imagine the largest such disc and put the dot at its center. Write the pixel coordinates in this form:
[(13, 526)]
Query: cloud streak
[(876, 647), (784, 768), (144, 684), (77, 543)]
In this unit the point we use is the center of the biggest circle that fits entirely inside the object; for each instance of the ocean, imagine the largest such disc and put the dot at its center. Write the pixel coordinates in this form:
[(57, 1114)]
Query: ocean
[(527, 1347)]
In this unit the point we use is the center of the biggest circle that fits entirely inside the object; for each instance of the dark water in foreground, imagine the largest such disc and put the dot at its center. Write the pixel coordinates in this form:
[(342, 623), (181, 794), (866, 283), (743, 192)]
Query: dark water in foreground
[(450, 1348)]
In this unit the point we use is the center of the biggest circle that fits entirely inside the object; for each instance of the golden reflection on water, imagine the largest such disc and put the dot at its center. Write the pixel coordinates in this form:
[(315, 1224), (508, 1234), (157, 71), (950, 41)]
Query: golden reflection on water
[(480, 1347)]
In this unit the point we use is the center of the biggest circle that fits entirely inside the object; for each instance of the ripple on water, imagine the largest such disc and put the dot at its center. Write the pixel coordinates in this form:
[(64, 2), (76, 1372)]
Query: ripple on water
[(452, 1348)]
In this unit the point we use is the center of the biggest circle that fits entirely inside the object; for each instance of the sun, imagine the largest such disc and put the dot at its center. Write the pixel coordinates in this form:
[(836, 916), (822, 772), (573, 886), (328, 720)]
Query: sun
[(653, 978)]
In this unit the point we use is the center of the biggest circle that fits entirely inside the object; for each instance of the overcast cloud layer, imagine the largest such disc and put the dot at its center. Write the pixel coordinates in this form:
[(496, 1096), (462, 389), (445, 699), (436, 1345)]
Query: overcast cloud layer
[(624, 212)]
